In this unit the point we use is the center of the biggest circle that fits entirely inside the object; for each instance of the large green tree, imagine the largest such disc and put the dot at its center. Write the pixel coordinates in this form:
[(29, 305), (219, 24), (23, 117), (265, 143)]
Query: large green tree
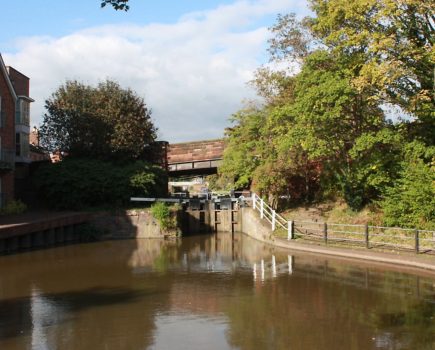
[(323, 128), (105, 122), (391, 43)]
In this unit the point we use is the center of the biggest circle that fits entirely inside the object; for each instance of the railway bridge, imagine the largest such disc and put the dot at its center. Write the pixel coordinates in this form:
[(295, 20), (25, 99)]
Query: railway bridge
[(197, 158)]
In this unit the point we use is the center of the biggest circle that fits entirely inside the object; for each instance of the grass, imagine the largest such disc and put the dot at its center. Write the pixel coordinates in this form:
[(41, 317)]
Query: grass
[(334, 212), (345, 234)]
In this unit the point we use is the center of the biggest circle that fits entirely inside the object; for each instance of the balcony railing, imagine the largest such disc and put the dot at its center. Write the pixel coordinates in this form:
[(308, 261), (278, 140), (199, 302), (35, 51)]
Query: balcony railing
[(7, 159)]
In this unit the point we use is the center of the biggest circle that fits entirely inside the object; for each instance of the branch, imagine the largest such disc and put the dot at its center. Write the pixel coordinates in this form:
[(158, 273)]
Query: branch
[(116, 4)]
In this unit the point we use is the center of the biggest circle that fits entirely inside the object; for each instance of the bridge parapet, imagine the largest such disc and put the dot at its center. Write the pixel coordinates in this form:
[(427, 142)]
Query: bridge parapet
[(195, 155)]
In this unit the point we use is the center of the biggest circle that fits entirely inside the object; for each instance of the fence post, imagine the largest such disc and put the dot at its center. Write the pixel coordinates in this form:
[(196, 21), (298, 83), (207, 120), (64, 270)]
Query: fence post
[(273, 220), (325, 232), (290, 230), (261, 208), (417, 242), (366, 232), (253, 200)]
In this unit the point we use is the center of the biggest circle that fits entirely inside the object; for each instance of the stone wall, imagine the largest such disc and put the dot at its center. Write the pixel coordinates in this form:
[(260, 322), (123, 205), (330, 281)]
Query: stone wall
[(130, 224), (252, 225)]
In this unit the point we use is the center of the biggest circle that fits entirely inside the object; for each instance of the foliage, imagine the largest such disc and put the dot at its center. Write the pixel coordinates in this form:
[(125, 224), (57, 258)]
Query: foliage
[(219, 183), (240, 155), (391, 45), (293, 145), (82, 183), (411, 201), (164, 216), (106, 122), (116, 4), (324, 130), (13, 207)]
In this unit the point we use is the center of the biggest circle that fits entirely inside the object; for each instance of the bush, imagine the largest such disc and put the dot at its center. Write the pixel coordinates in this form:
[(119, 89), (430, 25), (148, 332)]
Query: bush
[(163, 214), (411, 201), (83, 183), (13, 207)]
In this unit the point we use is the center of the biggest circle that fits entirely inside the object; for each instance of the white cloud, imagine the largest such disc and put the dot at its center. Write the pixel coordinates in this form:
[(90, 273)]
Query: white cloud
[(192, 73)]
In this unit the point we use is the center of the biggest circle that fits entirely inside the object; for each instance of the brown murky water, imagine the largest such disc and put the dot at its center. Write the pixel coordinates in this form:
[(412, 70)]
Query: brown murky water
[(202, 293)]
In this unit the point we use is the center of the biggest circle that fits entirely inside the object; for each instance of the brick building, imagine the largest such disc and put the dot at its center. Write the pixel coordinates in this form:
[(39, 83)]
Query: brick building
[(14, 129)]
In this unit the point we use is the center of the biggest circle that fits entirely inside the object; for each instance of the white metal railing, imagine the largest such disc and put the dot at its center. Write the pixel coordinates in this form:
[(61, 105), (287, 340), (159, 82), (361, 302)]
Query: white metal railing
[(418, 240), (266, 212)]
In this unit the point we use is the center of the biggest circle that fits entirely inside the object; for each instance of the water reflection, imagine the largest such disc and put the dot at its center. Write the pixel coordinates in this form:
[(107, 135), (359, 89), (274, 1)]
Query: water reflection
[(208, 292)]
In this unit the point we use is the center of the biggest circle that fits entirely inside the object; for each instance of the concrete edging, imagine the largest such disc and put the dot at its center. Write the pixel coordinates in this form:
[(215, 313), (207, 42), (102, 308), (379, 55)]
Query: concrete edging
[(375, 257)]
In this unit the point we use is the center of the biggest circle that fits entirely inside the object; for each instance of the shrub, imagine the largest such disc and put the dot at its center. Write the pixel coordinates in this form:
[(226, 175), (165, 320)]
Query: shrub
[(84, 183), (13, 207), (163, 215), (411, 201)]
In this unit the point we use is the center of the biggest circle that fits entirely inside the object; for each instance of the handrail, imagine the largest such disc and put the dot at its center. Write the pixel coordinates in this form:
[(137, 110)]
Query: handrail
[(423, 240)]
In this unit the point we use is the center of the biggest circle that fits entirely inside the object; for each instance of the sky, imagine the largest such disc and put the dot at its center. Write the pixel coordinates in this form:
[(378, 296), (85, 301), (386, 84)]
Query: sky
[(190, 60)]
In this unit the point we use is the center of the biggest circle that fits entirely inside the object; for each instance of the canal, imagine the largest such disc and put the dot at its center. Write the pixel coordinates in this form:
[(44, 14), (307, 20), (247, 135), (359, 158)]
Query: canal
[(202, 292)]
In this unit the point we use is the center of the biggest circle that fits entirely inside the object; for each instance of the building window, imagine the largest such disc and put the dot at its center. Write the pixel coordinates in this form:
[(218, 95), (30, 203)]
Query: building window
[(22, 148), (18, 144), (25, 113), (22, 114), (25, 145)]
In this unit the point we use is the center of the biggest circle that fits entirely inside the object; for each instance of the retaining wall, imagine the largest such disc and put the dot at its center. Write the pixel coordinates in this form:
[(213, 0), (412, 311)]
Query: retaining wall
[(130, 224)]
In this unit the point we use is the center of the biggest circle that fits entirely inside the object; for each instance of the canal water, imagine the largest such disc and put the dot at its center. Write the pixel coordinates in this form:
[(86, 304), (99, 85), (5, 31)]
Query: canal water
[(203, 292)]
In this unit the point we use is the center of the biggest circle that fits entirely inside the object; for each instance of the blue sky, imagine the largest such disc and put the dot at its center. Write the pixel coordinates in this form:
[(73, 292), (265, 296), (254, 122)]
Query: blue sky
[(22, 18), (190, 60)]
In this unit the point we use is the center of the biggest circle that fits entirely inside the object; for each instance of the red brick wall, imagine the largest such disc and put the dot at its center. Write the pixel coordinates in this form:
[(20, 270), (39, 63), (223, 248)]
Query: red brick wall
[(7, 132), (195, 151), (19, 81)]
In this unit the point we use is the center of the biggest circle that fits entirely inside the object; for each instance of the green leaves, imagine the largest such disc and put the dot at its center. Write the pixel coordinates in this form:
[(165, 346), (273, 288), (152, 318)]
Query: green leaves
[(411, 201), (324, 131), (105, 122), (391, 43), (83, 183), (116, 4)]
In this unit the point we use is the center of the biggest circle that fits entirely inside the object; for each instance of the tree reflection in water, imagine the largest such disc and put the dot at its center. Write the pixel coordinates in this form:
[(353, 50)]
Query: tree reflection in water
[(185, 293)]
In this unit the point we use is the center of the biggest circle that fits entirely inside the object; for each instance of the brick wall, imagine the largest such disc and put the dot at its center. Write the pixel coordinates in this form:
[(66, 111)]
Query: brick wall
[(19, 81), (195, 151), (7, 132)]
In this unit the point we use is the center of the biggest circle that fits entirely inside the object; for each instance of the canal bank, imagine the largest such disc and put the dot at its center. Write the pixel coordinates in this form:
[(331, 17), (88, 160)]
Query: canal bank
[(40, 230), (36, 230), (253, 226)]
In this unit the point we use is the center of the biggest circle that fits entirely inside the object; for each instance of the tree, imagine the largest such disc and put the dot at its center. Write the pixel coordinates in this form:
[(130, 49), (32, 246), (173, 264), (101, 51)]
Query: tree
[(323, 130), (410, 202), (116, 4), (79, 183), (392, 46), (106, 122)]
